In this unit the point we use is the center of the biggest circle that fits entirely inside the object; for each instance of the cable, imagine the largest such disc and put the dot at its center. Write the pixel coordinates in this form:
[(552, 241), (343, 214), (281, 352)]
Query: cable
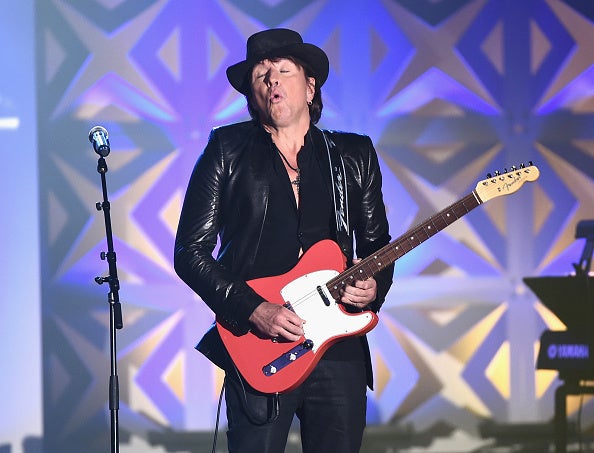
[(216, 430), (248, 410)]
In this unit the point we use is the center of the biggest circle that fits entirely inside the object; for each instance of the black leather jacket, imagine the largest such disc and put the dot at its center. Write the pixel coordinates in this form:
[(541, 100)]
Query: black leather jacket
[(227, 199)]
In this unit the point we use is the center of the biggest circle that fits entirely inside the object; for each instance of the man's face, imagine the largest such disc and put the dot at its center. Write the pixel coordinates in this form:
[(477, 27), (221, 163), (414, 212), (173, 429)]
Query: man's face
[(280, 92)]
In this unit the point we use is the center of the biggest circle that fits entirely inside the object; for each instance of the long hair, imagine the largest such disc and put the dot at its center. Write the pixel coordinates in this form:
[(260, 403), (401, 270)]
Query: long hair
[(315, 109)]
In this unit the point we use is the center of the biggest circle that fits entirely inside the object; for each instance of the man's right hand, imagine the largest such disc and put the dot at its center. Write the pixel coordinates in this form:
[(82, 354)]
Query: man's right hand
[(276, 321)]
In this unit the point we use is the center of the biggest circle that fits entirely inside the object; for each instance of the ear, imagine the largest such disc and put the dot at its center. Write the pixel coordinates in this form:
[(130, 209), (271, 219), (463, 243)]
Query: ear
[(311, 88)]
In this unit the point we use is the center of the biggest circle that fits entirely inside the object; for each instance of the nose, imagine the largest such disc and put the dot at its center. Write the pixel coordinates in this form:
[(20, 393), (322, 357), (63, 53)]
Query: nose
[(272, 78)]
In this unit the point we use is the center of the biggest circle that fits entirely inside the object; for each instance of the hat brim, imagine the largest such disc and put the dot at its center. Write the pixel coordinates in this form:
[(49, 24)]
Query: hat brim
[(315, 57)]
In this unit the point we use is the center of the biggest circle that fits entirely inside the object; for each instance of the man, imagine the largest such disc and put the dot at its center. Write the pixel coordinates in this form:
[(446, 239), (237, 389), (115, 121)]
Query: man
[(268, 190)]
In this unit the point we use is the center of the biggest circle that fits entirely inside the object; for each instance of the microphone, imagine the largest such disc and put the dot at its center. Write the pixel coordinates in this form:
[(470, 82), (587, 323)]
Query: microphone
[(98, 136)]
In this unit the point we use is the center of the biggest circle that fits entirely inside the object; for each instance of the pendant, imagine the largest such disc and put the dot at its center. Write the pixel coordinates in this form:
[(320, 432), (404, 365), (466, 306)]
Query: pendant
[(296, 182)]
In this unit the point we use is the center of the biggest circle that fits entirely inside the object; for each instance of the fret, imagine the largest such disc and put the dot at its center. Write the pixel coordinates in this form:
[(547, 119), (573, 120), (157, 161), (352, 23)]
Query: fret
[(429, 228), (470, 204), (405, 246), (440, 222), (412, 241), (388, 255), (398, 250), (365, 269), (420, 234), (459, 210)]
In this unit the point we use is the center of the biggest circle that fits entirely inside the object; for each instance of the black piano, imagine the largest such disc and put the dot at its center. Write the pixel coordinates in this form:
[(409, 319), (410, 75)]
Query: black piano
[(570, 351)]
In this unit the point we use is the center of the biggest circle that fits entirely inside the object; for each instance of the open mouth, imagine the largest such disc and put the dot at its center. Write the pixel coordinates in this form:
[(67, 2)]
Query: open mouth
[(275, 96)]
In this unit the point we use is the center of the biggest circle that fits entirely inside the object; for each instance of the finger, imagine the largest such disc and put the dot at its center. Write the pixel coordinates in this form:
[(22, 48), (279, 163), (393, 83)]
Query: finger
[(358, 296), (292, 320), (351, 299), (289, 334), (290, 325), (288, 328), (356, 292)]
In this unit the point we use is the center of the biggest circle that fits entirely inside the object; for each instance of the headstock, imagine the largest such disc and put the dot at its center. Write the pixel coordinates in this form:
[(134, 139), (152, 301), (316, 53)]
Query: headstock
[(507, 182)]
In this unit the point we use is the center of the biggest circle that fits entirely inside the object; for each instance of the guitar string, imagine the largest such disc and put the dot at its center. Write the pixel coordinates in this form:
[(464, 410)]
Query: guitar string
[(303, 299)]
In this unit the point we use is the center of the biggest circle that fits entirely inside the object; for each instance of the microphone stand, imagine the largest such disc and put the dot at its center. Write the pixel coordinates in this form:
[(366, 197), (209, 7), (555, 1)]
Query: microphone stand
[(115, 309)]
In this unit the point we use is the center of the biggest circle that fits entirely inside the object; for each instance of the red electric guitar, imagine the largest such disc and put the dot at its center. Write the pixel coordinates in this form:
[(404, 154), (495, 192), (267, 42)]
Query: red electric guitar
[(312, 289)]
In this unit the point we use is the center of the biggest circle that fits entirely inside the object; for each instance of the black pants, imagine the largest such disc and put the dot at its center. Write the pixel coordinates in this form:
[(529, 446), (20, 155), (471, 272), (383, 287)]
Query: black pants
[(330, 404)]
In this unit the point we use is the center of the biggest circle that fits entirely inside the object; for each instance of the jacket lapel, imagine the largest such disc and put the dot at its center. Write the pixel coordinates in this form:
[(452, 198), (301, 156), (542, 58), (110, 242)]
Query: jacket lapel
[(331, 162)]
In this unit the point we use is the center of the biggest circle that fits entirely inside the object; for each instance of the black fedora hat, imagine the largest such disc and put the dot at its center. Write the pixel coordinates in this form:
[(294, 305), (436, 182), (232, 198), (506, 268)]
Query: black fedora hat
[(274, 43)]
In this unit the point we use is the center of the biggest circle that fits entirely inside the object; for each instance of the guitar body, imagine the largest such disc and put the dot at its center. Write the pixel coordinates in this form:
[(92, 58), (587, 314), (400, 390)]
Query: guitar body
[(276, 367)]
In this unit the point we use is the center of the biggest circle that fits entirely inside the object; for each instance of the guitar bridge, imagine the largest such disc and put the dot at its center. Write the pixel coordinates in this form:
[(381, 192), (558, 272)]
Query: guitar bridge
[(287, 358)]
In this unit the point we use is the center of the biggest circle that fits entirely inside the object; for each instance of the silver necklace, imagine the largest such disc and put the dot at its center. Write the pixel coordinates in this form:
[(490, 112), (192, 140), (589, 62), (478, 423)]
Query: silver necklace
[(297, 179)]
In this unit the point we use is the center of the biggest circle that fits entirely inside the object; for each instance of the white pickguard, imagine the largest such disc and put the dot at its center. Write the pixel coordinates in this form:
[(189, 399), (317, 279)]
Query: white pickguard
[(323, 322)]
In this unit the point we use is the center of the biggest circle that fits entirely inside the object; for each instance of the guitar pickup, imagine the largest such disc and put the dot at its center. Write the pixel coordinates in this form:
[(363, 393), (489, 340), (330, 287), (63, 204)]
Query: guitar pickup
[(287, 358)]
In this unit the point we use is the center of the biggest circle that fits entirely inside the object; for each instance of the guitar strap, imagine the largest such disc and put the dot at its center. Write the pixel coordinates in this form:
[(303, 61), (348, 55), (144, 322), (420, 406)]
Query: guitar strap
[(339, 191)]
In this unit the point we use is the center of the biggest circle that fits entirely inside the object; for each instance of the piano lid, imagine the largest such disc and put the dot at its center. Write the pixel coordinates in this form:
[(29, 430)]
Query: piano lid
[(570, 298)]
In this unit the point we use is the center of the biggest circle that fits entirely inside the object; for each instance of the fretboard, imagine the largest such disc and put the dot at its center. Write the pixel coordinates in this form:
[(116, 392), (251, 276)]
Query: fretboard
[(388, 254)]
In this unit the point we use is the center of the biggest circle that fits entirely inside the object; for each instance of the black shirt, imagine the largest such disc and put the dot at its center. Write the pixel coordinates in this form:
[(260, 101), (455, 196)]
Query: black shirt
[(288, 229)]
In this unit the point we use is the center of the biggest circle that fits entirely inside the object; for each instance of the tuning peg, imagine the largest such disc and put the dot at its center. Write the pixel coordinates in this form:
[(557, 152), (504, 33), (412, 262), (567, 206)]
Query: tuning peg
[(514, 168), (497, 173), (489, 175), (530, 163)]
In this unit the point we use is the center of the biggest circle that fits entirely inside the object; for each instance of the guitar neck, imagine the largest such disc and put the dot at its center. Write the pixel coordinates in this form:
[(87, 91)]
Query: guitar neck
[(388, 254)]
